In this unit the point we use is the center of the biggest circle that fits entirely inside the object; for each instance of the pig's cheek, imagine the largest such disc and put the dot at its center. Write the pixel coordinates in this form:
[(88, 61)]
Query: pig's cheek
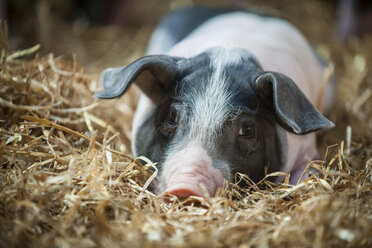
[(224, 168), (160, 187)]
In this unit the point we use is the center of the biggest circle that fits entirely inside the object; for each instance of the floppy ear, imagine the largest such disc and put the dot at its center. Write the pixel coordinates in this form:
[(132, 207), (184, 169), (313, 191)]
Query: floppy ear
[(153, 75), (292, 109)]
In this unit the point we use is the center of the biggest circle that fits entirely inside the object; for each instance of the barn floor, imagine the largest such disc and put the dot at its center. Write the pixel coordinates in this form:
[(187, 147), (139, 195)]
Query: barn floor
[(67, 178)]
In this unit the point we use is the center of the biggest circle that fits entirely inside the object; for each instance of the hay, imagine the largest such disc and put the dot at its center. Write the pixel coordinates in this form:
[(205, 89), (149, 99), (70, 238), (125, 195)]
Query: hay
[(67, 179)]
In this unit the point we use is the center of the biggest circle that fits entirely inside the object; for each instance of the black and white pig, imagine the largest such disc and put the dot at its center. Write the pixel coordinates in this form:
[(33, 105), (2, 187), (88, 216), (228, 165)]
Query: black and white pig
[(224, 91)]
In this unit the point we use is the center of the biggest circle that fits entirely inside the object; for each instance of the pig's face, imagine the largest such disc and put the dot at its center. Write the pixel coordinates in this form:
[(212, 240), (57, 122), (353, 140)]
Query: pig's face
[(216, 114), (216, 107)]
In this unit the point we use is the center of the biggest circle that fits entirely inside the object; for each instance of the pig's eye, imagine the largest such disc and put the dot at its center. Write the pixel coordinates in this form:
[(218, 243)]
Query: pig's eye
[(171, 122), (172, 116), (247, 130)]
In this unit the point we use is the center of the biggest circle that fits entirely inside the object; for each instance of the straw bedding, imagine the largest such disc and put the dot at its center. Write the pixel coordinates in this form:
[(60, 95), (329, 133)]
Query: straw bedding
[(67, 178)]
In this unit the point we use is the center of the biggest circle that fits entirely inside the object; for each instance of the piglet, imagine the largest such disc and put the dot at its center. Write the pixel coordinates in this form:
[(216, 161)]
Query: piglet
[(224, 91)]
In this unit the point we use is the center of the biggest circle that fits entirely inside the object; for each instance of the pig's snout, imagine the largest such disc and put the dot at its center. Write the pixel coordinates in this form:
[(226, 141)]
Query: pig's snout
[(190, 172)]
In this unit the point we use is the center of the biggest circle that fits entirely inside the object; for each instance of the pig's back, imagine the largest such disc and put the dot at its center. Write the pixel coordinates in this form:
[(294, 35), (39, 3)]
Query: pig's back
[(178, 24), (277, 44)]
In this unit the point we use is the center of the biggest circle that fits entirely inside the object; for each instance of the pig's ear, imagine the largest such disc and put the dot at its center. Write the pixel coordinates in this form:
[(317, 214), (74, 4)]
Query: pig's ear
[(292, 109), (153, 74)]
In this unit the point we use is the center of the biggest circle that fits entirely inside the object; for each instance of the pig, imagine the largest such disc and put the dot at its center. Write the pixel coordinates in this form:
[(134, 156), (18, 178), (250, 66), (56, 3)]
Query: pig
[(224, 91)]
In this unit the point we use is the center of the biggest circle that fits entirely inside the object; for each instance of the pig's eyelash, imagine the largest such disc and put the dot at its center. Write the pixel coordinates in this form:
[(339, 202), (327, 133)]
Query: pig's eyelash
[(234, 115), (250, 111), (176, 99)]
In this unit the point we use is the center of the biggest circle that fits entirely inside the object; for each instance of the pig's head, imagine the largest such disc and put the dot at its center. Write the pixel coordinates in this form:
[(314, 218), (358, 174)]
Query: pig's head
[(213, 115)]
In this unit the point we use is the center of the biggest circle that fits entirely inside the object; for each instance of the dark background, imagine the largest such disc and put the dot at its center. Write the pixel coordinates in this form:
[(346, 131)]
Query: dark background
[(95, 29)]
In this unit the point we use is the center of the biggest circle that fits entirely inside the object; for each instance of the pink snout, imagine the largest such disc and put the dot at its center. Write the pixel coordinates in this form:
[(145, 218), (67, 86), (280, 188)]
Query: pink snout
[(190, 172)]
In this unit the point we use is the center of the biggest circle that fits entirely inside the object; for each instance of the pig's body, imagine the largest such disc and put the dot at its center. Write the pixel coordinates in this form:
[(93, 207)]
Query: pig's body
[(221, 121)]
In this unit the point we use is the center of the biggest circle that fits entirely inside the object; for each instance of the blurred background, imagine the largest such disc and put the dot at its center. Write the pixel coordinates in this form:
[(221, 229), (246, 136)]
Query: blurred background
[(100, 32)]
